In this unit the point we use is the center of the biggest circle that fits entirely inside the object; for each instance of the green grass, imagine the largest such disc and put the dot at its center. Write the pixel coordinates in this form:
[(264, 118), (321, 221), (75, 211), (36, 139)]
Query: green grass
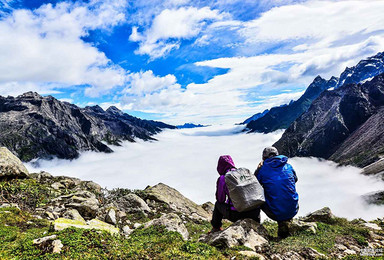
[(28, 193), (324, 239), (18, 229)]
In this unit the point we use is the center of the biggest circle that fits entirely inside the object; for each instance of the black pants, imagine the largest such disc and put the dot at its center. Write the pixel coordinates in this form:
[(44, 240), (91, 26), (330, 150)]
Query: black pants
[(223, 210)]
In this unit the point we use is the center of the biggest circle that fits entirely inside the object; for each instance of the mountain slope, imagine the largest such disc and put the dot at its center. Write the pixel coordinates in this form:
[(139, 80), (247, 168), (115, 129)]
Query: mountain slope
[(344, 125), (282, 117), (255, 117), (364, 70), (42, 127)]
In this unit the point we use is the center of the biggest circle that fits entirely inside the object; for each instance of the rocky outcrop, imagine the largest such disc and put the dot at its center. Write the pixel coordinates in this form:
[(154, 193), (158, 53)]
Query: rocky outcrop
[(44, 127), (176, 201), (344, 125), (11, 166), (132, 203), (63, 223), (281, 117), (171, 222), (324, 215), (245, 232)]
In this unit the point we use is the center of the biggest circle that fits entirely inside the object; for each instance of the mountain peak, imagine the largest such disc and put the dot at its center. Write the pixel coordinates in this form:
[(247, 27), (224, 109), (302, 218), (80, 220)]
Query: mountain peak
[(30, 94), (114, 110)]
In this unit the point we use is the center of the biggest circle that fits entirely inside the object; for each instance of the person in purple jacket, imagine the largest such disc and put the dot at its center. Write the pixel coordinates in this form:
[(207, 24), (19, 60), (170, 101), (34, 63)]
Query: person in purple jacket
[(223, 206)]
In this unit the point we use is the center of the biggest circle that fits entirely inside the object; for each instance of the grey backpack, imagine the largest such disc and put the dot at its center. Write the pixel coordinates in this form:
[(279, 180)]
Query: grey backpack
[(245, 191)]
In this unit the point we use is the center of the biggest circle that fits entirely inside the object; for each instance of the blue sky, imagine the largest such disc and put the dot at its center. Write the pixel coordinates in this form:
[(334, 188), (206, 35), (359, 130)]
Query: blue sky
[(179, 60)]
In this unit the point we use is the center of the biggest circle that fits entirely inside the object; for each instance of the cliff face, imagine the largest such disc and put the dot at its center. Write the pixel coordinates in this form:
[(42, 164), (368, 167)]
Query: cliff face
[(33, 126), (282, 117), (345, 125)]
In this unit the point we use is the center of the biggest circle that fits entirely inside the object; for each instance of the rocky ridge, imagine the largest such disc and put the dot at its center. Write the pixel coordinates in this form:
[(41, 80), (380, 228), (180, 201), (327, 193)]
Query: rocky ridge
[(282, 117), (49, 216), (344, 125), (44, 127)]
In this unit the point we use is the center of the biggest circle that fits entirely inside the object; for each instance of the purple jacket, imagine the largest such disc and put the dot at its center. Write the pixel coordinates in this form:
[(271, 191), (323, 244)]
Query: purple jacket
[(224, 165)]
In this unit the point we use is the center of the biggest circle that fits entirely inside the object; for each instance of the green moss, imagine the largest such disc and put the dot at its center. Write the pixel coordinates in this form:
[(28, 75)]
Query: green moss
[(324, 239), (27, 193)]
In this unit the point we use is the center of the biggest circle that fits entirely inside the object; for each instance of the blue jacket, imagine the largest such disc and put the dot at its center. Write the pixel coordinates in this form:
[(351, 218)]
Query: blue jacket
[(278, 180)]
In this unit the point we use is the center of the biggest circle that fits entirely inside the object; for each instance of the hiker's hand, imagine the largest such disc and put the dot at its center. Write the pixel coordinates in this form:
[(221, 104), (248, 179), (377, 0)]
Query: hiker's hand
[(260, 165)]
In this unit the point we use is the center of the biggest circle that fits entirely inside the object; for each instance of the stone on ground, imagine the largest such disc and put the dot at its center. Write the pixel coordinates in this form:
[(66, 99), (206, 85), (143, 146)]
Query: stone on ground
[(176, 201), (171, 222), (246, 232), (322, 215), (10, 166)]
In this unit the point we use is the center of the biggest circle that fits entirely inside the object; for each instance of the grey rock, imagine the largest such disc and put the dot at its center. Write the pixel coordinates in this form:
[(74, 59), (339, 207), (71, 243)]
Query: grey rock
[(127, 231), (296, 225), (176, 201), (73, 214), (372, 226), (92, 186), (84, 202), (208, 207), (111, 217), (246, 232), (252, 254), (137, 225), (171, 222), (57, 246), (42, 177), (10, 166), (132, 203), (42, 240), (323, 215), (57, 186)]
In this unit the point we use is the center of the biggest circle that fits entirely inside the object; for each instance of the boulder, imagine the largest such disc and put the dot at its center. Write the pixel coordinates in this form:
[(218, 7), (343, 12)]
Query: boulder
[(63, 223), (296, 225), (91, 186), (208, 207), (252, 255), (49, 244), (372, 226), (10, 166), (322, 215), (171, 222), (42, 177), (127, 231), (111, 217), (246, 232), (84, 202), (132, 203), (74, 215), (176, 201)]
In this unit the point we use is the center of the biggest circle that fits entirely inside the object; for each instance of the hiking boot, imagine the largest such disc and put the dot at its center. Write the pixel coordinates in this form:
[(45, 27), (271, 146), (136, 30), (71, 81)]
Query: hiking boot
[(283, 229), (213, 230)]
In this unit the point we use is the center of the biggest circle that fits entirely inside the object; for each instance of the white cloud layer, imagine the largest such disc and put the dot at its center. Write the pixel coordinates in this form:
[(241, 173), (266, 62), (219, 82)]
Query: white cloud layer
[(186, 160)]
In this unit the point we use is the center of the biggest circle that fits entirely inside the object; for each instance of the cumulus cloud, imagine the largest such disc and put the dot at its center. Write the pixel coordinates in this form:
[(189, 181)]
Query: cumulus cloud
[(44, 45), (186, 159), (169, 27), (308, 38)]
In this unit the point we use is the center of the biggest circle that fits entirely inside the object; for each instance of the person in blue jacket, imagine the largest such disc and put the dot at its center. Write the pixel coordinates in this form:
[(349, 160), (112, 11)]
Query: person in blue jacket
[(278, 179)]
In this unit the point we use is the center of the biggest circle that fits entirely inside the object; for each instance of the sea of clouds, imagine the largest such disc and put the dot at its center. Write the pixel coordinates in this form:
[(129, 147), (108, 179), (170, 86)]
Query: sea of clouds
[(186, 160)]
